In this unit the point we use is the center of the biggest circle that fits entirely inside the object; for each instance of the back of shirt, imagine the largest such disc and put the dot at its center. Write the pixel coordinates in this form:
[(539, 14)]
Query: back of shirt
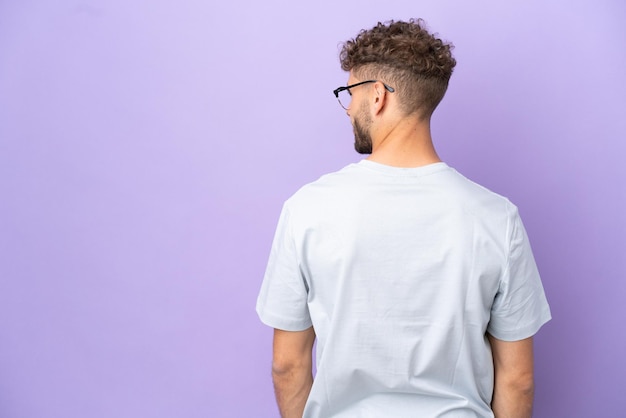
[(401, 272)]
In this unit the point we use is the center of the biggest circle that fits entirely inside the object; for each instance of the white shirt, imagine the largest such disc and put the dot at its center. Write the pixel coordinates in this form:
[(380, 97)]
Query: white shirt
[(401, 272)]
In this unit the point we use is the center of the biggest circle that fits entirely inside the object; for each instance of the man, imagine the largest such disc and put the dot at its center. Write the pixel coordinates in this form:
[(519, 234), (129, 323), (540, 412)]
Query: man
[(419, 285)]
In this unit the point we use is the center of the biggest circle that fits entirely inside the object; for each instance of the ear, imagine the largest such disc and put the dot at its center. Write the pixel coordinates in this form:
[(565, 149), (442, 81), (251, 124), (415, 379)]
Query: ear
[(379, 98)]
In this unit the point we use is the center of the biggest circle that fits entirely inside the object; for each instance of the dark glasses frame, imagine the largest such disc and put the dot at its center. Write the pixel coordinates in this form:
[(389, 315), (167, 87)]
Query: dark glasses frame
[(340, 89)]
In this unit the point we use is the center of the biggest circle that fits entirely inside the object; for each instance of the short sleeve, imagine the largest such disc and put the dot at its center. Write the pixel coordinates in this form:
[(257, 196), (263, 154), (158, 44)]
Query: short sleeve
[(282, 300), (520, 307)]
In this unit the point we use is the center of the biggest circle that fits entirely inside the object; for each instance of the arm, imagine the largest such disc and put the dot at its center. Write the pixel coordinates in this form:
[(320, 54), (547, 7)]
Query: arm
[(292, 370), (513, 370)]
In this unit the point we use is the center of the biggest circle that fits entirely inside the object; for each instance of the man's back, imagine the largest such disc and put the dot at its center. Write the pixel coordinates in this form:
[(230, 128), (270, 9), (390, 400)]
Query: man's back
[(401, 272), (419, 285)]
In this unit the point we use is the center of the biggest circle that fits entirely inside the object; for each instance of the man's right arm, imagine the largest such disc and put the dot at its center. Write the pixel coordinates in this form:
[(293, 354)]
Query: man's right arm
[(513, 374)]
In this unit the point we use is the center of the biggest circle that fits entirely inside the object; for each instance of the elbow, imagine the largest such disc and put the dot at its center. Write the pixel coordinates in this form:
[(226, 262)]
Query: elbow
[(523, 385), (524, 382), (526, 386), (286, 369), (281, 368)]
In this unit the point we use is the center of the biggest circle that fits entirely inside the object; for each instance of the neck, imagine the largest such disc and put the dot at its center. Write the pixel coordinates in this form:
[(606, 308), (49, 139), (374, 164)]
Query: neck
[(407, 143)]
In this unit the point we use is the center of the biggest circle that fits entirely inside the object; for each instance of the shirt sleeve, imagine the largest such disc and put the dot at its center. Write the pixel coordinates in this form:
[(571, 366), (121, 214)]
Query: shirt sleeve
[(282, 300), (520, 307)]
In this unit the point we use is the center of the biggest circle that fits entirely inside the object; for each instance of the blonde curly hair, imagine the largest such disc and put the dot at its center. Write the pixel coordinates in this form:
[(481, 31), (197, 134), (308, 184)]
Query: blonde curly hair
[(407, 57)]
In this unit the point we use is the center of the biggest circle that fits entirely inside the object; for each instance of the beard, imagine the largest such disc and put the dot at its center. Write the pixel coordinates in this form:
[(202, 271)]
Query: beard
[(362, 137)]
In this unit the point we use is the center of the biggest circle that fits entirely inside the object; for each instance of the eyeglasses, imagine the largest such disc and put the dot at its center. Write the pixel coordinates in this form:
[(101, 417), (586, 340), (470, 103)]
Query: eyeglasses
[(344, 95)]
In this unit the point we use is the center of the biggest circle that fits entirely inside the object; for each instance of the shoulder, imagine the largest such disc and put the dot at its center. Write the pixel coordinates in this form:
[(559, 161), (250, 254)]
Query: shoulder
[(471, 187), (325, 185), (479, 200)]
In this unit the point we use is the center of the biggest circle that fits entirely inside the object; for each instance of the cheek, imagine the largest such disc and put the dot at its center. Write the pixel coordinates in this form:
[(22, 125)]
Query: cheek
[(364, 110), (364, 117)]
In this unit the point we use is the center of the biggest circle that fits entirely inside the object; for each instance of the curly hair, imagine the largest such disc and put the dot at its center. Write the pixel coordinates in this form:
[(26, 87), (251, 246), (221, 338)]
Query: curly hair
[(405, 55)]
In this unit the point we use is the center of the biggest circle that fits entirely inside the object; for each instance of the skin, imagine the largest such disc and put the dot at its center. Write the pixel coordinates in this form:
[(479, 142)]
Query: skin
[(514, 383), (393, 138), (362, 138), (397, 140), (292, 372)]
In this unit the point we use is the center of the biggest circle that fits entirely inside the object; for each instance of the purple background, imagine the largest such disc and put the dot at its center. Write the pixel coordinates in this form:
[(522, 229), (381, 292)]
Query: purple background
[(146, 149)]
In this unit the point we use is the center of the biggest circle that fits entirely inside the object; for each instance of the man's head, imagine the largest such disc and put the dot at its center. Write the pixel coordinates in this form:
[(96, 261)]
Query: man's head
[(406, 56)]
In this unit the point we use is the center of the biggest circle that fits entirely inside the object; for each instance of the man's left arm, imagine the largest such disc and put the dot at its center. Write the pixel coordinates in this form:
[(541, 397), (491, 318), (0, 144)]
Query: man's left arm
[(292, 370)]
